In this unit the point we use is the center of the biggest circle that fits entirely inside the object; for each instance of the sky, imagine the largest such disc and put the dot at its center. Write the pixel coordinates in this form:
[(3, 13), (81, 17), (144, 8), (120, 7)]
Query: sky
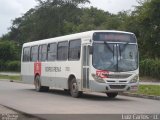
[(11, 9)]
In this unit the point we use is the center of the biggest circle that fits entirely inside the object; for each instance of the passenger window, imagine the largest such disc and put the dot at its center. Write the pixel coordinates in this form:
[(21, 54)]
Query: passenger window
[(42, 52), (34, 53), (74, 49), (52, 52), (62, 50), (26, 54)]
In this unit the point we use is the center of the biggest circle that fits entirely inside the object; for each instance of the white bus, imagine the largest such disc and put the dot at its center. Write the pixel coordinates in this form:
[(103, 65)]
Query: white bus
[(93, 61)]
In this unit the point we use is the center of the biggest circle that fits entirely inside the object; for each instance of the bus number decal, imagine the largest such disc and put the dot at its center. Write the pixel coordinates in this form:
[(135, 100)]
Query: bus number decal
[(37, 68), (102, 73)]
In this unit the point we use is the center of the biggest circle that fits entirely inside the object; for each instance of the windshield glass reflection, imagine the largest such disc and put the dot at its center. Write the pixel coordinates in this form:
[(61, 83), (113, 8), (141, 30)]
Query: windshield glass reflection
[(128, 58), (103, 57), (115, 57)]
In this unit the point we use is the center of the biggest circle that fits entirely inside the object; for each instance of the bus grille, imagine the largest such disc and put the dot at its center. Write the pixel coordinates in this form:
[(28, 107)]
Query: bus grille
[(119, 76), (117, 86)]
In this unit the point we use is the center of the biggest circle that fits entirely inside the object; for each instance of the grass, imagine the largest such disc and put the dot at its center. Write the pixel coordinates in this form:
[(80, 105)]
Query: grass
[(149, 90), (10, 77), (148, 79)]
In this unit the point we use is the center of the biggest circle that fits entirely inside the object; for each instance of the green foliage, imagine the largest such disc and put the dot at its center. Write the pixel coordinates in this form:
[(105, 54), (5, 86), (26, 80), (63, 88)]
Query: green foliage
[(50, 19), (8, 50), (55, 18), (2, 65), (13, 65), (10, 77), (10, 56), (10, 66), (150, 67), (147, 18), (149, 90)]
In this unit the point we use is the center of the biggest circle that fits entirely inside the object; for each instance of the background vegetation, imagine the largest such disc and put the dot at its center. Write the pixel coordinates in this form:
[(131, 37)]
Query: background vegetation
[(148, 90), (51, 18)]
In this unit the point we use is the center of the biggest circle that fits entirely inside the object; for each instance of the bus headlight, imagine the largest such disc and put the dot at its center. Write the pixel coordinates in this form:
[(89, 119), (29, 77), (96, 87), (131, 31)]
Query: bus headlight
[(135, 79), (97, 78)]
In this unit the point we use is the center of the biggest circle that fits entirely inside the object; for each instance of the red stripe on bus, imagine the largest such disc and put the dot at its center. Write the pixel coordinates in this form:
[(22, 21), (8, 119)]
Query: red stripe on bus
[(37, 68)]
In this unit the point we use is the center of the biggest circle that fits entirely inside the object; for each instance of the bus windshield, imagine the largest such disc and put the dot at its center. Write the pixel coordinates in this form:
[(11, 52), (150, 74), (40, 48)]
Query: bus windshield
[(115, 57)]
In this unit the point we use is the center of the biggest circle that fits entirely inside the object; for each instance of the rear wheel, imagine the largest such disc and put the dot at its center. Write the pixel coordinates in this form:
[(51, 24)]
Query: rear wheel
[(74, 88), (38, 86), (112, 95)]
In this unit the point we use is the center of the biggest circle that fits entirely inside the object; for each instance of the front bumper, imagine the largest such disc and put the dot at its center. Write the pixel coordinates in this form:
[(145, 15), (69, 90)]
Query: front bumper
[(113, 87)]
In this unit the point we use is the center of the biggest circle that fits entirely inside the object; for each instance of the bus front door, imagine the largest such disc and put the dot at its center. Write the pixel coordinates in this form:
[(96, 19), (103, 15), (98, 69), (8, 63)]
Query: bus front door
[(85, 67)]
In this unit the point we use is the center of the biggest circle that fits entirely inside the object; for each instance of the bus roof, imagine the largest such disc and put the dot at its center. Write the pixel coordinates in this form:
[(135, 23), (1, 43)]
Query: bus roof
[(87, 34)]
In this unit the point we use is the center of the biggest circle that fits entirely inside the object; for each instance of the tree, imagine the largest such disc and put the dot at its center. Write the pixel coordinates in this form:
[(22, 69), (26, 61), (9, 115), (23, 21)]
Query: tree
[(8, 51), (53, 18), (50, 18), (148, 21)]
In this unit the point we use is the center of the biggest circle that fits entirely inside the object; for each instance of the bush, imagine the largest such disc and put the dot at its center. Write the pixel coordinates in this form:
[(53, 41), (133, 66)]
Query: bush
[(150, 67), (9, 50), (10, 66), (2, 65), (13, 65)]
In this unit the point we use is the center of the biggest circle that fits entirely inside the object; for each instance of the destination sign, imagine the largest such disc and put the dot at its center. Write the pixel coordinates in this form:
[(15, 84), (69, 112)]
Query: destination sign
[(114, 37)]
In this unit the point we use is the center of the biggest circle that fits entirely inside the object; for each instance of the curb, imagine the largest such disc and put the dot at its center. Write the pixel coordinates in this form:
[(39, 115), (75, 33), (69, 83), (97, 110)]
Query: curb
[(23, 114), (141, 96)]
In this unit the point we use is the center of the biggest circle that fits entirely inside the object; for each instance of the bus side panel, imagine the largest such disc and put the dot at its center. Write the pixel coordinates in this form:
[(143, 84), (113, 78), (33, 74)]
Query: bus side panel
[(75, 69), (48, 74), (64, 70), (27, 72)]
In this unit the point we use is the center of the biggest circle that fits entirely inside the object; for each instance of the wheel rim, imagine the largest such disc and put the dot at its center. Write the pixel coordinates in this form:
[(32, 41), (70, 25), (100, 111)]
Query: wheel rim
[(74, 88)]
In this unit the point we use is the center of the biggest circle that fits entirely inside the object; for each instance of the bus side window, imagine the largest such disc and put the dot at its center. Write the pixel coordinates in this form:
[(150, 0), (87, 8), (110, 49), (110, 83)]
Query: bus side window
[(52, 52), (26, 54), (74, 49), (62, 52), (34, 53), (43, 52)]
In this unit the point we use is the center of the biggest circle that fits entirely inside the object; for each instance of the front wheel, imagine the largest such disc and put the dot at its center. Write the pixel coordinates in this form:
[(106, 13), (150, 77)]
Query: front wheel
[(112, 95), (74, 88)]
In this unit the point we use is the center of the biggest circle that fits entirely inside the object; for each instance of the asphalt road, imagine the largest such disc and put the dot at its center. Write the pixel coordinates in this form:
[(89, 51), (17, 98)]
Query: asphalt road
[(23, 97)]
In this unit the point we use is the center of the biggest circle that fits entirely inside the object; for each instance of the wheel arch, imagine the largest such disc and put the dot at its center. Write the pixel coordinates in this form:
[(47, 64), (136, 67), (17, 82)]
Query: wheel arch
[(37, 74)]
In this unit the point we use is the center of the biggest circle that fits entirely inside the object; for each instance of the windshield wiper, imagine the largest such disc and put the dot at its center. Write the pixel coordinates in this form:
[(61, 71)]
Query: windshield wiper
[(125, 45), (110, 49)]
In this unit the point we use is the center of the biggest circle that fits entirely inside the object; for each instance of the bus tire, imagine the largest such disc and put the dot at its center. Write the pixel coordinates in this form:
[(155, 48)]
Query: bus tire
[(74, 88), (112, 95), (38, 86)]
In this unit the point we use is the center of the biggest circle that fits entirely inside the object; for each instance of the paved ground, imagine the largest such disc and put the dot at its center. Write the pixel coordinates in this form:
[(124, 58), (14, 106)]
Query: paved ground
[(4, 110), (73, 107), (10, 114), (23, 97)]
